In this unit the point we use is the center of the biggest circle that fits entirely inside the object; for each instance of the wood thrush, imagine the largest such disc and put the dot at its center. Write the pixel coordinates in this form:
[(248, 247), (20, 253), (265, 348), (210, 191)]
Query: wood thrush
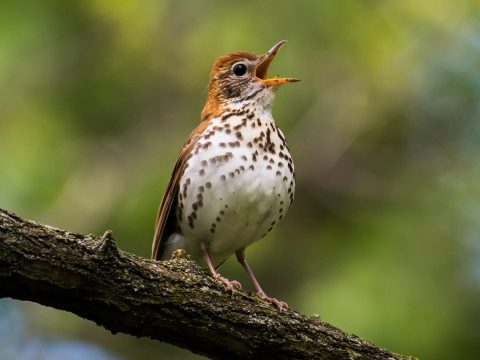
[(234, 179)]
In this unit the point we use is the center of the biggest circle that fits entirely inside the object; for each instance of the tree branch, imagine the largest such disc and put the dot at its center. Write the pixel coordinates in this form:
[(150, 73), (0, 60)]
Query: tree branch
[(173, 301)]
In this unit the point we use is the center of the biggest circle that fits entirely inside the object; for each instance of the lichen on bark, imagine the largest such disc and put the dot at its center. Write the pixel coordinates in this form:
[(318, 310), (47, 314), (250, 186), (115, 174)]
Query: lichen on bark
[(173, 301)]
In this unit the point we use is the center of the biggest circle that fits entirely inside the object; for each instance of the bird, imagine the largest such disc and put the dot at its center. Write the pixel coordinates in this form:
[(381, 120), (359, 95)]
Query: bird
[(234, 178)]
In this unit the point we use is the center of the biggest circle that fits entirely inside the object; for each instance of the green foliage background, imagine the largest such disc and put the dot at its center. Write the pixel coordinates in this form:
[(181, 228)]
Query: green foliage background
[(383, 239)]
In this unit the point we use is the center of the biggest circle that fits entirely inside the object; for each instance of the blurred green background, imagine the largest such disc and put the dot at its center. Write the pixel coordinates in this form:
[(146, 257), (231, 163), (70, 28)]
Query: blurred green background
[(383, 238)]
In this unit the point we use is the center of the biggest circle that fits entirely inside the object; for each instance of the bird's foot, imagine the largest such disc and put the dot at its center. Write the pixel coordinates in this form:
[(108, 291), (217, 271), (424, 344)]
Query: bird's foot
[(231, 285), (281, 305)]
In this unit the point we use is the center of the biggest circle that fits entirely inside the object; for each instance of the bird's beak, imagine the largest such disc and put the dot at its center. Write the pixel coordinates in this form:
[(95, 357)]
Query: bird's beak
[(262, 68)]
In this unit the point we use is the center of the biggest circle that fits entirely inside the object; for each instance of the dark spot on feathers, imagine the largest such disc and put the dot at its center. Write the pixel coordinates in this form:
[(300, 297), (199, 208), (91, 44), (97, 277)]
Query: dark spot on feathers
[(226, 116)]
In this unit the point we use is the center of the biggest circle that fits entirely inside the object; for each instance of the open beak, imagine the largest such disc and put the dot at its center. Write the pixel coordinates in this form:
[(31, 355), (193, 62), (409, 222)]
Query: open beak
[(262, 68)]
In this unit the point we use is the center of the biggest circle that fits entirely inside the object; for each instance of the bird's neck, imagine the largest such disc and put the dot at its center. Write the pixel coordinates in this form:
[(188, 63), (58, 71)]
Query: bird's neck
[(259, 101), (213, 107)]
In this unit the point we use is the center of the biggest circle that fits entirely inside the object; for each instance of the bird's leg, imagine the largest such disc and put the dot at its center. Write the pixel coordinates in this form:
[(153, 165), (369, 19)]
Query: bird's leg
[(231, 285), (241, 259)]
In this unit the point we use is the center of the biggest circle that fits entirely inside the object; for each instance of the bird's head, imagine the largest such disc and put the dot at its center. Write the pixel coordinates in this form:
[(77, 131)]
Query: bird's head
[(239, 77)]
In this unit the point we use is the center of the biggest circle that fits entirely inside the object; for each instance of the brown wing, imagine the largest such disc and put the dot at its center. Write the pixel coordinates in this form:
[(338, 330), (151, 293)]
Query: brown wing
[(166, 222)]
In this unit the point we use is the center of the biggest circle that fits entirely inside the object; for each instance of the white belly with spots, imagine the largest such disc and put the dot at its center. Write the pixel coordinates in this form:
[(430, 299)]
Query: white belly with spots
[(236, 187)]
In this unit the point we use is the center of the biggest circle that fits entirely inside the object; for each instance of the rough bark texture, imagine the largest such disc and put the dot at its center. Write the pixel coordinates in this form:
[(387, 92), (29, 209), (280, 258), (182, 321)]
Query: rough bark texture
[(173, 301)]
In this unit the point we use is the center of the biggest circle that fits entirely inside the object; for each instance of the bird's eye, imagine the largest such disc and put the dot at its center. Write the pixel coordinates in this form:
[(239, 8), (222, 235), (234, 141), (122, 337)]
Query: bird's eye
[(239, 69)]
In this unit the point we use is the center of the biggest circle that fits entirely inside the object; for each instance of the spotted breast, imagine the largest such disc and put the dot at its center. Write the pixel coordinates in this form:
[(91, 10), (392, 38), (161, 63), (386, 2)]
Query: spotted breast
[(237, 185)]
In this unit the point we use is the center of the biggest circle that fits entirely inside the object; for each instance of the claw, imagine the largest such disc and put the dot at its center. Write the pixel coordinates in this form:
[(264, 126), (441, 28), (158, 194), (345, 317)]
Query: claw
[(281, 305), (231, 285)]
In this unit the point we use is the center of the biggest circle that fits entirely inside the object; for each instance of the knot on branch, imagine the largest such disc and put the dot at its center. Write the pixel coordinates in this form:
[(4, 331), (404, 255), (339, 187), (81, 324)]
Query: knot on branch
[(180, 254), (107, 244)]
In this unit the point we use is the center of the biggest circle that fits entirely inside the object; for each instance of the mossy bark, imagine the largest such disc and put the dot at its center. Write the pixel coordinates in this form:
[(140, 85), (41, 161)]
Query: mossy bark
[(173, 301)]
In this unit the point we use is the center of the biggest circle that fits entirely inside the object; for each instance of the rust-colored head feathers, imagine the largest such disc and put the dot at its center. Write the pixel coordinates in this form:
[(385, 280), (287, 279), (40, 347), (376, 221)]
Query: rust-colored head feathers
[(240, 76)]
